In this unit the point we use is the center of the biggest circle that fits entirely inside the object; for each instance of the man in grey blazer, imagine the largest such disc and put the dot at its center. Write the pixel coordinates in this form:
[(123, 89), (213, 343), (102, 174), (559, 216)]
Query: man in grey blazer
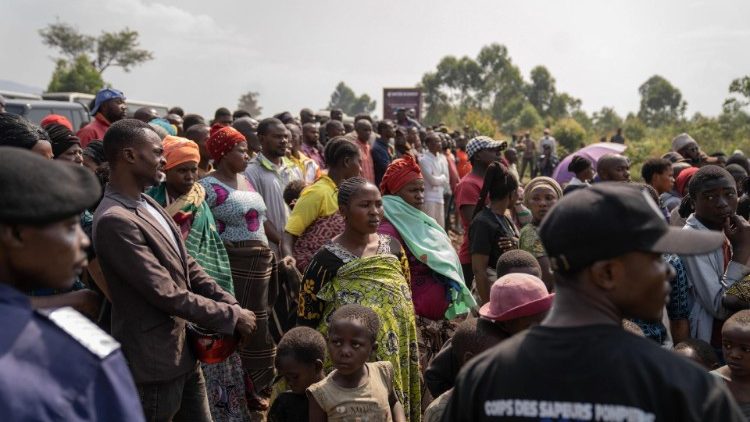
[(154, 285)]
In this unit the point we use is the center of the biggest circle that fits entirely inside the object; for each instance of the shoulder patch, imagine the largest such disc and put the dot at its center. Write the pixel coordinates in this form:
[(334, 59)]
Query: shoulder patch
[(84, 331)]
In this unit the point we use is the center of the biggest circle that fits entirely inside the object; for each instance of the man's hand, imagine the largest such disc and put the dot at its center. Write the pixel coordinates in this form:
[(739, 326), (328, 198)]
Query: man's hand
[(246, 326), (289, 261)]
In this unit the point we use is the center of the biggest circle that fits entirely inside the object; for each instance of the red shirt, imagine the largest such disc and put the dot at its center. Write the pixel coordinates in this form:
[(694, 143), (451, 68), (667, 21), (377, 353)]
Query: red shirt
[(464, 165), (452, 170), (368, 168), (467, 193), (94, 130)]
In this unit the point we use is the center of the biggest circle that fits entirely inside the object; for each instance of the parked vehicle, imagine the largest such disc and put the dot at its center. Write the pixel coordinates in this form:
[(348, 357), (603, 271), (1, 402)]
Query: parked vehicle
[(86, 100), (73, 97), (36, 110), (13, 95)]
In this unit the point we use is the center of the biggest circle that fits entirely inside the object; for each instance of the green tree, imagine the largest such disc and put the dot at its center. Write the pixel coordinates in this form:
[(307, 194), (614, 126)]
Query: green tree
[(120, 49), (633, 129), (528, 118), (108, 49), (541, 91), (344, 98), (661, 102), (605, 121), (76, 76), (249, 103), (740, 87)]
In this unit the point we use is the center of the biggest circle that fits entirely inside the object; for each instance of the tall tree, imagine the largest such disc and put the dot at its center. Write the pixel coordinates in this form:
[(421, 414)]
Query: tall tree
[(344, 98), (249, 103), (661, 102), (541, 91), (119, 49), (740, 87)]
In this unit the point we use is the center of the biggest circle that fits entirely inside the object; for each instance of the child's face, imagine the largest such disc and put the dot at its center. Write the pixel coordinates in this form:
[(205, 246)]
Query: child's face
[(716, 201), (542, 200), (736, 348), (349, 345), (299, 375)]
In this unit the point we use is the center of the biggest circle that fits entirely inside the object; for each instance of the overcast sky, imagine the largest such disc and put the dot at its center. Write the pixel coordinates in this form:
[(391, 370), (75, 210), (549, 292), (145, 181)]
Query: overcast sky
[(208, 53)]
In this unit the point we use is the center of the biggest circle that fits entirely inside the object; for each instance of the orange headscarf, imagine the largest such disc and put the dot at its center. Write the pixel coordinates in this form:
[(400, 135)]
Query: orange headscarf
[(179, 150), (399, 173), (222, 141)]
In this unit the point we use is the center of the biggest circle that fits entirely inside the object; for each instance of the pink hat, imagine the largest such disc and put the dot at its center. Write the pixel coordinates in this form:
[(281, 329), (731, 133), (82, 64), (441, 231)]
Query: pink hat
[(516, 295)]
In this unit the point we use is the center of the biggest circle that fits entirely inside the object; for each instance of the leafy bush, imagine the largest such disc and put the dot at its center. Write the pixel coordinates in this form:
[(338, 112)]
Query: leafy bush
[(569, 133)]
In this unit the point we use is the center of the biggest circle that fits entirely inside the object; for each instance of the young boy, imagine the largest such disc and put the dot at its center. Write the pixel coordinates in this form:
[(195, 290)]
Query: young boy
[(356, 389), (736, 346), (471, 338), (579, 363), (299, 359)]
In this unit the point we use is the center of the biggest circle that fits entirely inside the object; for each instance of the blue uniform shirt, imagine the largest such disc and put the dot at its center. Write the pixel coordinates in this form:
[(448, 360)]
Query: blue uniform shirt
[(58, 366)]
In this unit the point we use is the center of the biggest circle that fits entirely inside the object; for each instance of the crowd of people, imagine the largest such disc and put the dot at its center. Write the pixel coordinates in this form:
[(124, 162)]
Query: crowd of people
[(305, 268)]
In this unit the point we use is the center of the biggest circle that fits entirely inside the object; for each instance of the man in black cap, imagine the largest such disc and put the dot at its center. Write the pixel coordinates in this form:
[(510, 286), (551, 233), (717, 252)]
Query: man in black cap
[(606, 244), (154, 285), (54, 364)]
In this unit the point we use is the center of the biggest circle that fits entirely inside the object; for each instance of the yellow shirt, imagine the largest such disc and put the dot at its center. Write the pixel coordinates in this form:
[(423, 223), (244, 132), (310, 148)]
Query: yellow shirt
[(318, 200)]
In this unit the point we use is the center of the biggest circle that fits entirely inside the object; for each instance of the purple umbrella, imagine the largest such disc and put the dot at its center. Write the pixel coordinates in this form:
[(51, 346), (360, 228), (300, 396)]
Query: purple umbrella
[(593, 152)]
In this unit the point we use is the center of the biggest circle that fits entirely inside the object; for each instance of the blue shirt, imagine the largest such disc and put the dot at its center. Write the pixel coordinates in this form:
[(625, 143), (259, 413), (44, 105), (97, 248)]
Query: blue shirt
[(381, 158), (48, 375)]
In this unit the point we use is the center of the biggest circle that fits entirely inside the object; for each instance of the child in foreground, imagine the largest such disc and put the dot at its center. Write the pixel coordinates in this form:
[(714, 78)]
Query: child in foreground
[(356, 389), (735, 334), (299, 359)]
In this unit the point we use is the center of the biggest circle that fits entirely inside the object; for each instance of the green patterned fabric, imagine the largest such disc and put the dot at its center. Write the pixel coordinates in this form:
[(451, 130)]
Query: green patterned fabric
[(530, 242), (198, 229)]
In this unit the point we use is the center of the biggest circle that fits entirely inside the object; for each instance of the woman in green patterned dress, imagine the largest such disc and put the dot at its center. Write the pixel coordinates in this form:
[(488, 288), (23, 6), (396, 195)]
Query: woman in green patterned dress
[(364, 267)]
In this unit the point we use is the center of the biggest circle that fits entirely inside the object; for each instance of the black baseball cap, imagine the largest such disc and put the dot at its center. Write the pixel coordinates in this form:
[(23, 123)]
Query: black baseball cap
[(38, 191), (611, 219)]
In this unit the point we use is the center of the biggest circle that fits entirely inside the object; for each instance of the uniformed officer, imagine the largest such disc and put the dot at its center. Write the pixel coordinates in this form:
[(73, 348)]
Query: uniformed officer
[(55, 365)]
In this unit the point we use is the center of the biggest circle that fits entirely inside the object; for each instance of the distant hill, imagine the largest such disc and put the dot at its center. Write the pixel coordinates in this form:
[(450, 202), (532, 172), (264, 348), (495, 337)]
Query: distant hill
[(6, 85)]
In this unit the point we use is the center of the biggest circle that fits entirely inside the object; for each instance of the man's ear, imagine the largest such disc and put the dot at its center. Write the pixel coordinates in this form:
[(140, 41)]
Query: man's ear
[(318, 365), (374, 347), (129, 154), (605, 274), (10, 236)]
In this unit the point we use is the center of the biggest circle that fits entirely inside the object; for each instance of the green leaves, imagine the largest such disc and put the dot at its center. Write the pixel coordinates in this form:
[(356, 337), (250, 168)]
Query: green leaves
[(344, 98), (76, 71)]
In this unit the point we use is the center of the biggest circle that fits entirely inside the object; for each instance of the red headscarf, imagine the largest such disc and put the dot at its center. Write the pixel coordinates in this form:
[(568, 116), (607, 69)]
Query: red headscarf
[(683, 179), (399, 173), (222, 141), (56, 118)]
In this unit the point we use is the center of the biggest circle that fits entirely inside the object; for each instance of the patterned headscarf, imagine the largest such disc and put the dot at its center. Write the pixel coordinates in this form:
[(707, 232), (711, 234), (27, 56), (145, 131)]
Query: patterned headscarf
[(222, 141), (539, 182), (61, 138), (399, 173), (180, 150)]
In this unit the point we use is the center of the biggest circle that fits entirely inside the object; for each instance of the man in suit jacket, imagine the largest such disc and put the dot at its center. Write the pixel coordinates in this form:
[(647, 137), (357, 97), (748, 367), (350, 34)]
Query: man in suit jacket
[(155, 286)]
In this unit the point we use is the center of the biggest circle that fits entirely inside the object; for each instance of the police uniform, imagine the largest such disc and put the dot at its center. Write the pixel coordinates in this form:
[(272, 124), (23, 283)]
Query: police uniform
[(59, 366)]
